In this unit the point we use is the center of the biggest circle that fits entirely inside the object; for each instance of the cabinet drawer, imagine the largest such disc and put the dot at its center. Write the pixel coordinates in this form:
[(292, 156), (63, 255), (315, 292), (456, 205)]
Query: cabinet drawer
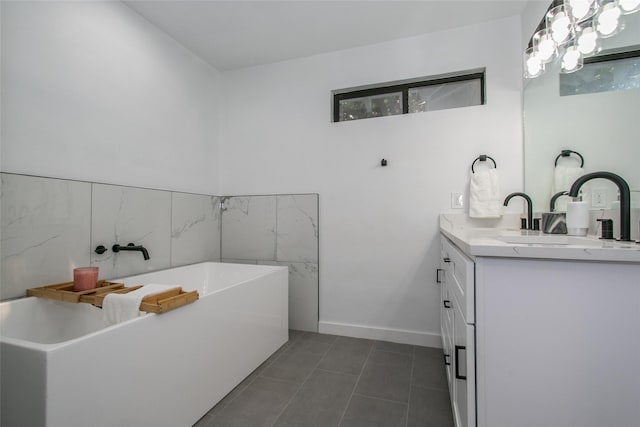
[(460, 271)]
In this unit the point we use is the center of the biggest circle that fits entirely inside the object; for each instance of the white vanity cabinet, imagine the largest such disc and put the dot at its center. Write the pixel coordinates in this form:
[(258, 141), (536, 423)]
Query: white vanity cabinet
[(557, 341), (458, 336)]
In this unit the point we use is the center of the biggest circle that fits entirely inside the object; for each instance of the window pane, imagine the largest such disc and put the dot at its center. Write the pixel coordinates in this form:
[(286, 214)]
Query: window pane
[(387, 104), (446, 95), (607, 76)]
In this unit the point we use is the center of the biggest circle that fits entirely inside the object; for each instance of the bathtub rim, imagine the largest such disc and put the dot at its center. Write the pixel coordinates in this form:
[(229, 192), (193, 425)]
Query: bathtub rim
[(48, 347)]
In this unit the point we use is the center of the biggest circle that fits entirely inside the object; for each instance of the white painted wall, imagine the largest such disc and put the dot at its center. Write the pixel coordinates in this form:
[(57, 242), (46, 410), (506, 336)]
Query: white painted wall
[(378, 242), (92, 91)]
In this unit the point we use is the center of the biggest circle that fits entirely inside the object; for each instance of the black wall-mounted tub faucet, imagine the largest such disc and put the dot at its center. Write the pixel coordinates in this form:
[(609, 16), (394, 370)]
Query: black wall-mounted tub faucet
[(131, 247)]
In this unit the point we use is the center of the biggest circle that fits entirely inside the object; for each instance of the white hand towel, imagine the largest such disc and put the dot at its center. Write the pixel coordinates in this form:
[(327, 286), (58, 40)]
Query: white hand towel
[(565, 176), (484, 194), (117, 308)]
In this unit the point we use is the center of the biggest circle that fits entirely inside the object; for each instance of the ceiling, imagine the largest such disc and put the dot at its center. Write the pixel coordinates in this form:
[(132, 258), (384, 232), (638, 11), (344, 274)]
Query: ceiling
[(235, 34)]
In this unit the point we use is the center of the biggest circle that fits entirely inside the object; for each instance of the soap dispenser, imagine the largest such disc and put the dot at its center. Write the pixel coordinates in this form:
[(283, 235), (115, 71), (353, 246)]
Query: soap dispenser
[(577, 218)]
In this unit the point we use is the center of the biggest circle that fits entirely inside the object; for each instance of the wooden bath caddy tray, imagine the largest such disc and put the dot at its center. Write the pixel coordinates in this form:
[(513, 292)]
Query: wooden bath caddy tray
[(155, 303)]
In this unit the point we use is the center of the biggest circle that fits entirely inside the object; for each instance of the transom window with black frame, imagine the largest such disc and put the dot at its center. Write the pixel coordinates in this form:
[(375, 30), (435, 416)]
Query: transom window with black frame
[(410, 96), (607, 72)]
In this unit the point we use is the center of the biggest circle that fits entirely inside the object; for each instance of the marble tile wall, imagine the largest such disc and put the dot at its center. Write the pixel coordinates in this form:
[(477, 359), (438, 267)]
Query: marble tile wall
[(195, 228), (126, 215), (50, 226), (45, 230), (278, 230), (249, 228)]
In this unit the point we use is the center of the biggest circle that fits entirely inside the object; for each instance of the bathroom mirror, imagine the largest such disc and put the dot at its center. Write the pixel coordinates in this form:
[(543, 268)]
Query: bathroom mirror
[(604, 127)]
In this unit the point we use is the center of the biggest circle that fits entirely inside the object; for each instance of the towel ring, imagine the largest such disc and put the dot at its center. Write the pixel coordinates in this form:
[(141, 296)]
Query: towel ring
[(483, 158), (567, 153)]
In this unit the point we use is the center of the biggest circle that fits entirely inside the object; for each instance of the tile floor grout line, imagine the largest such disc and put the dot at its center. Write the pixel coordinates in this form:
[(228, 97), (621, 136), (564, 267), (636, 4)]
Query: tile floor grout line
[(336, 372), (413, 365), (382, 399), (304, 382), (355, 386)]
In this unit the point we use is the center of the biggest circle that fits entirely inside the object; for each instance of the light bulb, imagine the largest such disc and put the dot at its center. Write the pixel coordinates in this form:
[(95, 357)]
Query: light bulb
[(561, 28), (587, 41), (608, 20), (533, 66), (571, 60), (559, 25), (545, 46), (629, 6), (581, 9)]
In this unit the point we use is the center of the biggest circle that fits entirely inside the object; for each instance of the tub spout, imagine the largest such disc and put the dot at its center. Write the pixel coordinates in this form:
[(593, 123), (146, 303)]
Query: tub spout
[(131, 247)]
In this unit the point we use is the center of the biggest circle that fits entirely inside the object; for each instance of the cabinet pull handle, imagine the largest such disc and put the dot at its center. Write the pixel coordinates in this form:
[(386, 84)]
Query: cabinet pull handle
[(446, 303), (438, 271), (458, 348), (446, 259), (446, 362)]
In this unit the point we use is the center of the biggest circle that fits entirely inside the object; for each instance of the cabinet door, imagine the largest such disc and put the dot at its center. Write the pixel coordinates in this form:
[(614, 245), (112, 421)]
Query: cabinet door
[(558, 343), (447, 350), (461, 277), (446, 316), (463, 370)]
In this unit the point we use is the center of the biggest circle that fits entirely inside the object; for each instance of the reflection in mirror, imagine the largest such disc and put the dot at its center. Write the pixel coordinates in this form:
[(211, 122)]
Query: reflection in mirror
[(603, 126)]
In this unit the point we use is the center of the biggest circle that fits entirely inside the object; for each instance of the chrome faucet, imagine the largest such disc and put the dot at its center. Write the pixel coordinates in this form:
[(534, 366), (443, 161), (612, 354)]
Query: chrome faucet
[(131, 247), (529, 207), (625, 198)]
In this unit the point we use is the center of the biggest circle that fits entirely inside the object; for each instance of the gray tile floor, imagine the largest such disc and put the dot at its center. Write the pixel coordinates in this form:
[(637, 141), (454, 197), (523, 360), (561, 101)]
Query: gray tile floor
[(317, 380)]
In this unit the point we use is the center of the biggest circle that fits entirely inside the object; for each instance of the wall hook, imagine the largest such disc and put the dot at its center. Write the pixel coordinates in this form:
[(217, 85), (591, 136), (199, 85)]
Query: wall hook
[(383, 162)]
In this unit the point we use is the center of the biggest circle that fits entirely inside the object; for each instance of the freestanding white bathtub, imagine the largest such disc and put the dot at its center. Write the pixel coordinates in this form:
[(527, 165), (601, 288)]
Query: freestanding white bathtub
[(63, 366)]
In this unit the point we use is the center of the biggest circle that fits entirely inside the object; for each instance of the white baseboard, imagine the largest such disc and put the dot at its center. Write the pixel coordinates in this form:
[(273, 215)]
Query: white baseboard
[(402, 336)]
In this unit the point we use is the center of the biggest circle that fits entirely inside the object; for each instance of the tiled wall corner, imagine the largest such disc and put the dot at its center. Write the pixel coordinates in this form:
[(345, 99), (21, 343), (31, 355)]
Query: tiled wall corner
[(45, 228), (278, 230), (195, 228), (303, 294), (297, 228), (125, 215), (249, 228)]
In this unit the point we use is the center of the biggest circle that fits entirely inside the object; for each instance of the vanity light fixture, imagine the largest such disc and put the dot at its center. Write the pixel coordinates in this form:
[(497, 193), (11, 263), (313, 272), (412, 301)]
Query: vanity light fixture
[(571, 30)]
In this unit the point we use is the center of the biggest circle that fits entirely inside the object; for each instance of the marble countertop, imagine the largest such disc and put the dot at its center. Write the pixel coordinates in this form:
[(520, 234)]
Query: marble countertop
[(503, 238)]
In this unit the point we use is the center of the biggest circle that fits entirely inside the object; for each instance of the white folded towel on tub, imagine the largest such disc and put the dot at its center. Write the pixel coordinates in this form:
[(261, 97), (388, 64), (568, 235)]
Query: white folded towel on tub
[(117, 308), (484, 194)]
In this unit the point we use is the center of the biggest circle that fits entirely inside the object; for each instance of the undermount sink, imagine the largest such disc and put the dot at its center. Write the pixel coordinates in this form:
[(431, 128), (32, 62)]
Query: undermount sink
[(549, 240)]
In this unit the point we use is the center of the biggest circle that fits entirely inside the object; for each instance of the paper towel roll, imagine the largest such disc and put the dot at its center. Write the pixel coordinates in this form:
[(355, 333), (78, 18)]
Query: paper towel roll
[(577, 218)]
